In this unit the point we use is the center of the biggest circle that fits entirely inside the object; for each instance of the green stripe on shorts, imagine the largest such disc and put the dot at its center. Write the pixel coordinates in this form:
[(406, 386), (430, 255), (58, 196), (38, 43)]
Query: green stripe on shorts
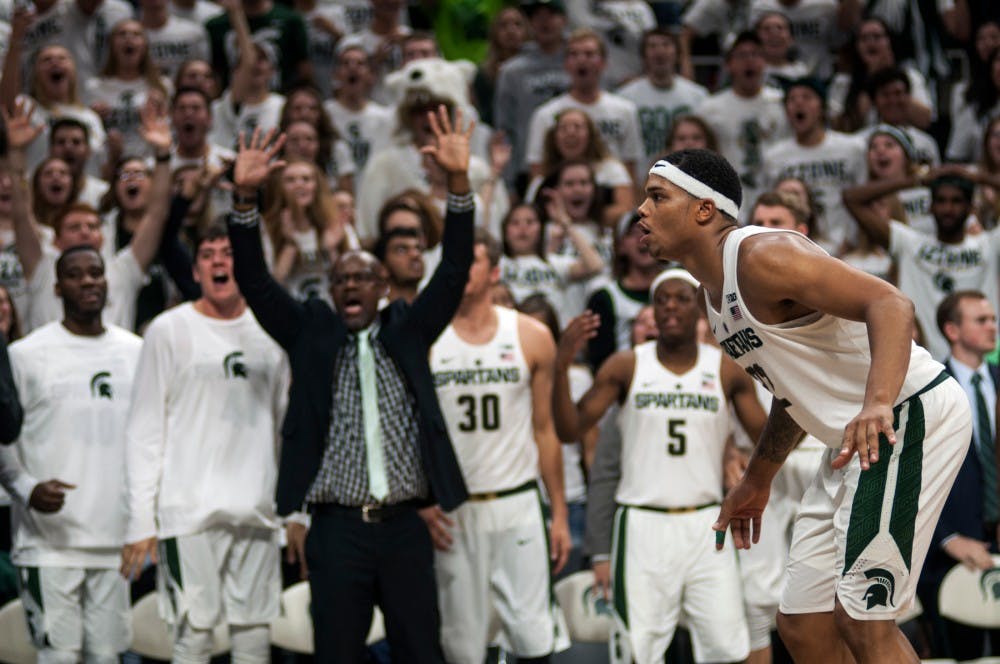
[(618, 581), (173, 558), (866, 510), (34, 586)]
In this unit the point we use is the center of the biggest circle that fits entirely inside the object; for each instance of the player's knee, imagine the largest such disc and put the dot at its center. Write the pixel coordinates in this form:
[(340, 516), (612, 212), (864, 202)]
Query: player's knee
[(251, 644), (192, 646), (856, 633)]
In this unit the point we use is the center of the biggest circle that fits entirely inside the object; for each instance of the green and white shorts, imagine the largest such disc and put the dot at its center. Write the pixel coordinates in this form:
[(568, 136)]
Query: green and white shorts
[(861, 536)]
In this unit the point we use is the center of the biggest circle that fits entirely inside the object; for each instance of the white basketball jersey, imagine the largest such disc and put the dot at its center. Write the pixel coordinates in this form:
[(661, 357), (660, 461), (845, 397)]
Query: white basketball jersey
[(817, 364), (674, 430), (485, 396)]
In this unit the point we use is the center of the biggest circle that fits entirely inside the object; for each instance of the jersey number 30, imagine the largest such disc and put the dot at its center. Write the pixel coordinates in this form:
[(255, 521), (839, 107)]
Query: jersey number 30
[(485, 417), (677, 443)]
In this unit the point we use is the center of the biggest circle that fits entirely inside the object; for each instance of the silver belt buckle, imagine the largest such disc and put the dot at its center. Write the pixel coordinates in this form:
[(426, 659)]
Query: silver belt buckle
[(366, 514)]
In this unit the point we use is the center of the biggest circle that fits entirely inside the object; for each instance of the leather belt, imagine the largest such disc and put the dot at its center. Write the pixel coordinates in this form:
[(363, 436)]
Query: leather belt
[(365, 513), (493, 495)]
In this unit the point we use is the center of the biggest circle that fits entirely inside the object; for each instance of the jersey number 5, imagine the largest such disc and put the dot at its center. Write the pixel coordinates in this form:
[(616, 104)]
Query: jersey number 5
[(677, 445), (486, 416)]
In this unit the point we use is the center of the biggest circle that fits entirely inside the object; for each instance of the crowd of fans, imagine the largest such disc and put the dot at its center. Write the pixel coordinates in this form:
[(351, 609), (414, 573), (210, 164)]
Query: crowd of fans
[(873, 127)]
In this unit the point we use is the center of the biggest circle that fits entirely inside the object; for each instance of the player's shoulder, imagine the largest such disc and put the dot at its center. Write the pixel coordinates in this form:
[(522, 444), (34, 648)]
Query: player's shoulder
[(771, 251)]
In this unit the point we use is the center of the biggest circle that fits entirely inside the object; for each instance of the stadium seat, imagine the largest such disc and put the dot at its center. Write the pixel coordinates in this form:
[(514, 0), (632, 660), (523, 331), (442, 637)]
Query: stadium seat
[(151, 635), (15, 642), (588, 615), (972, 597), (293, 629)]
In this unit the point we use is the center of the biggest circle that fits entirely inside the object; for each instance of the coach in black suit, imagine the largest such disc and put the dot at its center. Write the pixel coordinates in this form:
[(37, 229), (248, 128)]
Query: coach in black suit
[(966, 532), (365, 471)]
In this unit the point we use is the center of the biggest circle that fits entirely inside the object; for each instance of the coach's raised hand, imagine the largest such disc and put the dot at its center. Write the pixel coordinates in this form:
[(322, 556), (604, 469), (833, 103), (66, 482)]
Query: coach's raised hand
[(255, 160), (450, 147)]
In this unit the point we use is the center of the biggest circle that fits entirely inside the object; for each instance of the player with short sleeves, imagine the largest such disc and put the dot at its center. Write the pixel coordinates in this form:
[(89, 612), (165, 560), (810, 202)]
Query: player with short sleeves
[(673, 394), (493, 373), (74, 377)]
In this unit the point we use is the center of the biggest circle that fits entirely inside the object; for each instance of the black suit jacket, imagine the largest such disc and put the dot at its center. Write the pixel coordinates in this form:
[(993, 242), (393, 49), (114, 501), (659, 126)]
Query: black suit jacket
[(10, 407), (312, 335), (963, 510)]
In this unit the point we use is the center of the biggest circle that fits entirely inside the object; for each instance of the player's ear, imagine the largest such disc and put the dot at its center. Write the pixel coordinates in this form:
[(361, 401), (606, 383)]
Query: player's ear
[(705, 211)]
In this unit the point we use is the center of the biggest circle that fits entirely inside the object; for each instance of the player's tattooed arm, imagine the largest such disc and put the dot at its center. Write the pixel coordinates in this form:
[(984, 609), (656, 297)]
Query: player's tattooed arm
[(780, 436)]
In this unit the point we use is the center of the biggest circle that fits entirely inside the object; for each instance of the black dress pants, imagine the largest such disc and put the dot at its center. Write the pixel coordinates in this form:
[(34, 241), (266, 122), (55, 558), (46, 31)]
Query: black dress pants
[(353, 566)]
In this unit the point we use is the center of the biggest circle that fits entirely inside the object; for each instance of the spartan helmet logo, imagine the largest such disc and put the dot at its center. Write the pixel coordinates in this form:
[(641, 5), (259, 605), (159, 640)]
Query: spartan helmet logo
[(882, 590), (989, 583), (100, 386), (311, 287), (944, 282), (233, 365)]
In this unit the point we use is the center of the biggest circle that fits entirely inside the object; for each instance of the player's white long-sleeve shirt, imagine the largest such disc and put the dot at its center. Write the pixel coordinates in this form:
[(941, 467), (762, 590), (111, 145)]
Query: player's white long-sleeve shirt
[(75, 392), (203, 437)]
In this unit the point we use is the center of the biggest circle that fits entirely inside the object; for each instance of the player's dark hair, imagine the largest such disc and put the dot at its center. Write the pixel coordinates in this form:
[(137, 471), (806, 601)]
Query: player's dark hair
[(383, 240), (72, 251), (214, 231), (950, 309), (537, 303), (711, 169), (191, 90), (68, 123), (884, 77), (493, 249)]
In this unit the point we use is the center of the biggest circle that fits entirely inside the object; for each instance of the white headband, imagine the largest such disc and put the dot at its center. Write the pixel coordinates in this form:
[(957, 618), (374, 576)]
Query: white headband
[(672, 273), (695, 187)]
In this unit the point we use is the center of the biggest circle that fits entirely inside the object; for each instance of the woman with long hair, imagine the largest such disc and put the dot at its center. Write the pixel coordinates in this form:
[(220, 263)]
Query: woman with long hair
[(508, 33), (982, 104), (128, 80), (324, 146), (303, 230), (52, 91), (872, 50), (528, 268), (574, 137), (10, 321)]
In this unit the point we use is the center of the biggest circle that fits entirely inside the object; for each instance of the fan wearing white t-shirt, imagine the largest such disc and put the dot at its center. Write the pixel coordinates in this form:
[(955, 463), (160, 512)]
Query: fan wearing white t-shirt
[(931, 266), (827, 161), (74, 378), (660, 94), (616, 117), (80, 224), (202, 464), (526, 268)]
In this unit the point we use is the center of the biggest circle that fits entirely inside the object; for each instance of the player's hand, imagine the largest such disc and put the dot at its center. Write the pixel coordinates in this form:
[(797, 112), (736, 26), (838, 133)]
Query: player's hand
[(295, 551), (134, 557), (972, 553), (438, 524), (560, 543), (602, 578), (255, 160), (862, 435), (450, 147), (579, 330), (741, 511), (48, 497)]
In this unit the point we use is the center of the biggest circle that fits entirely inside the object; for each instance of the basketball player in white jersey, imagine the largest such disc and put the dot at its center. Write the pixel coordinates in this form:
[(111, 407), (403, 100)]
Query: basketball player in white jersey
[(674, 420), (74, 378), (834, 347), (493, 372), (202, 464)]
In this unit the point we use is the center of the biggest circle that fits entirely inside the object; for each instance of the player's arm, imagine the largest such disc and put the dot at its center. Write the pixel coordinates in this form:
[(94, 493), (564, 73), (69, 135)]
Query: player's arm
[(785, 273), (573, 419), (156, 132), (146, 437), (740, 392), (540, 352)]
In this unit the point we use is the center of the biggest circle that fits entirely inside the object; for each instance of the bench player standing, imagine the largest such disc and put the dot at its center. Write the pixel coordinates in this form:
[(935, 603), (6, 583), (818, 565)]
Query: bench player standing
[(675, 423), (493, 372)]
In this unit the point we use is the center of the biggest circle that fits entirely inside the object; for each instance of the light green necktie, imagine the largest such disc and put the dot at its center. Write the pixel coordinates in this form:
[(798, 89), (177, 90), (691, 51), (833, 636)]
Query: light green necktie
[(377, 483)]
